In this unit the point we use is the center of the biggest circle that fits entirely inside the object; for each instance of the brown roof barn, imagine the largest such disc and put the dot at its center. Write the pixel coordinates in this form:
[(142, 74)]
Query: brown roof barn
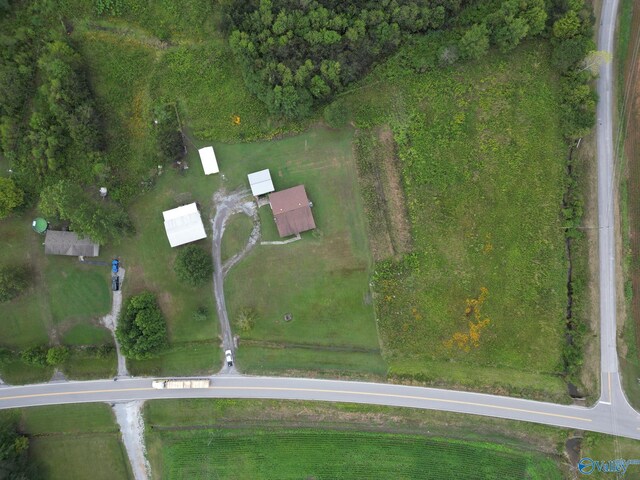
[(68, 243), (292, 211)]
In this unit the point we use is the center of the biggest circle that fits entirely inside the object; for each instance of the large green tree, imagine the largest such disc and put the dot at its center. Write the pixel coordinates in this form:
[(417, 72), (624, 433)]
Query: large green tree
[(142, 330), (475, 42)]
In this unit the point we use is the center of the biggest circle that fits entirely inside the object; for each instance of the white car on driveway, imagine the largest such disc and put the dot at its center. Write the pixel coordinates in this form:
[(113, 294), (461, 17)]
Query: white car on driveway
[(229, 358)]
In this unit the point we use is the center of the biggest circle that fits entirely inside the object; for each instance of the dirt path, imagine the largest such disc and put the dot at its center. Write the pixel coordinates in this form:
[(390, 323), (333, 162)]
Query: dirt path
[(111, 322), (227, 205), (131, 424)]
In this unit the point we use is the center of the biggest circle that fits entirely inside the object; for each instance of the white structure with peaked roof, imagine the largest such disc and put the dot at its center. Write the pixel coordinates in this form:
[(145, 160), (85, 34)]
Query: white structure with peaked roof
[(261, 182), (183, 225), (208, 159)]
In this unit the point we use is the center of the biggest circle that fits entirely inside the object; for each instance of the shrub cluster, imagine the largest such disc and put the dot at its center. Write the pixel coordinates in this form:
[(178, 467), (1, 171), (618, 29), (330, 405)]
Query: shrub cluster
[(193, 265), (13, 281)]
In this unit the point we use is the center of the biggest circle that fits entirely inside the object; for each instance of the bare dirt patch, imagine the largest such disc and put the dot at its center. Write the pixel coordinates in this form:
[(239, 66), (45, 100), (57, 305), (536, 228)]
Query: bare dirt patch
[(389, 229), (394, 194)]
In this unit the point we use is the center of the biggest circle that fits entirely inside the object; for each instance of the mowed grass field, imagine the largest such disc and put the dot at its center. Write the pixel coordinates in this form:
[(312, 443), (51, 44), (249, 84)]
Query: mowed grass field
[(73, 441), (64, 295), (481, 300), (321, 280), (326, 454), (254, 439)]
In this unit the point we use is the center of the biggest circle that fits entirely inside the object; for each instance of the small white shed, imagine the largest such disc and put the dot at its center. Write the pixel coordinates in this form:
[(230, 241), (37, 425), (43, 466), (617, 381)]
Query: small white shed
[(183, 225), (260, 182), (208, 159)]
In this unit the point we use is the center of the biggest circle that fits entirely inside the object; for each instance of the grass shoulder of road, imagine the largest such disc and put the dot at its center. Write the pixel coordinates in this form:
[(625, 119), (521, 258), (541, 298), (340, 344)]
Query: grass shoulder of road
[(335, 439), (483, 165), (73, 441), (628, 119), (603, 448)]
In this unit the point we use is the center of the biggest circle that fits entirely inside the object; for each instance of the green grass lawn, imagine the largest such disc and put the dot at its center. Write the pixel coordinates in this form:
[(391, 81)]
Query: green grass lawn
[(254, 453), (203, 438), (64, 295), (483, 161), (236, 234), (322, 280), (77, 291), (73, 441), (83, 366), (84, 334)]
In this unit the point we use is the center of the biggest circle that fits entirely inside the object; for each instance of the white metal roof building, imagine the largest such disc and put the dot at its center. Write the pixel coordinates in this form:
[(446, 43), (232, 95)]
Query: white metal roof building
[(208, 159), (261, 182), (183, 225)]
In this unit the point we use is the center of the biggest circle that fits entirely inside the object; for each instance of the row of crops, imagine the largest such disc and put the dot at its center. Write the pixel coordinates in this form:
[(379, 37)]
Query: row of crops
[(329, 454)]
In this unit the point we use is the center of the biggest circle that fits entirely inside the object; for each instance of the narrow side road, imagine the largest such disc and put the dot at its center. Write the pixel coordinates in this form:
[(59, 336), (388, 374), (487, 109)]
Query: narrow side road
[(129, 418)]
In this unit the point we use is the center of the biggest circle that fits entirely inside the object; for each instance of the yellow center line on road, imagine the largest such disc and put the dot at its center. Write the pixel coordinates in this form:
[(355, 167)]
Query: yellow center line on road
[(87, 392), (318, 390)]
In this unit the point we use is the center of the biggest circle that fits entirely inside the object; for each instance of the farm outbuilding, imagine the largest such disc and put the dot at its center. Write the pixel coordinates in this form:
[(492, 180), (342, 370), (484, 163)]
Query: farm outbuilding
[(260, 182), (183, 225), (208, 159), (292, 211), (68, 243)]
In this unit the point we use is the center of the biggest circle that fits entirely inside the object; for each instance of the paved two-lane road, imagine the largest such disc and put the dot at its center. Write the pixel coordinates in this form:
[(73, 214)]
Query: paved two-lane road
[(598, 418)]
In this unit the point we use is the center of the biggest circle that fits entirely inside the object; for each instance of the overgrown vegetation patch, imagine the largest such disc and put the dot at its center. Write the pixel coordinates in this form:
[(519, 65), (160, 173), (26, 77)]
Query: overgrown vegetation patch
[(483, 162)]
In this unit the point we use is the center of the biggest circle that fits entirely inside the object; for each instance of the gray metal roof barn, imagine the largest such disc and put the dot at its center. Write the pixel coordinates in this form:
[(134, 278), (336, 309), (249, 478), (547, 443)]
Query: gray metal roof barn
[(68, 243)]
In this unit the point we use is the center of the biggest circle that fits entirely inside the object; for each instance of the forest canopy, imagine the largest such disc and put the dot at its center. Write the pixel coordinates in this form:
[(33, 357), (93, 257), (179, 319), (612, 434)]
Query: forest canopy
[(297, 54)]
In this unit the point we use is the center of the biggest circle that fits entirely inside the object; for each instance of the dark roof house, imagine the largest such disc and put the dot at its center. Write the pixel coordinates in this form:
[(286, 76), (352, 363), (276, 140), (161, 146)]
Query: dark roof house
[(68, 243), (292, 211)]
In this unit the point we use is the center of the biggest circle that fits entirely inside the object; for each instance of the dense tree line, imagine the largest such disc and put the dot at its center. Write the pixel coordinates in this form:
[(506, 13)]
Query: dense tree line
[(50, 130), (297, 54), (572, 40), (49, 127)]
